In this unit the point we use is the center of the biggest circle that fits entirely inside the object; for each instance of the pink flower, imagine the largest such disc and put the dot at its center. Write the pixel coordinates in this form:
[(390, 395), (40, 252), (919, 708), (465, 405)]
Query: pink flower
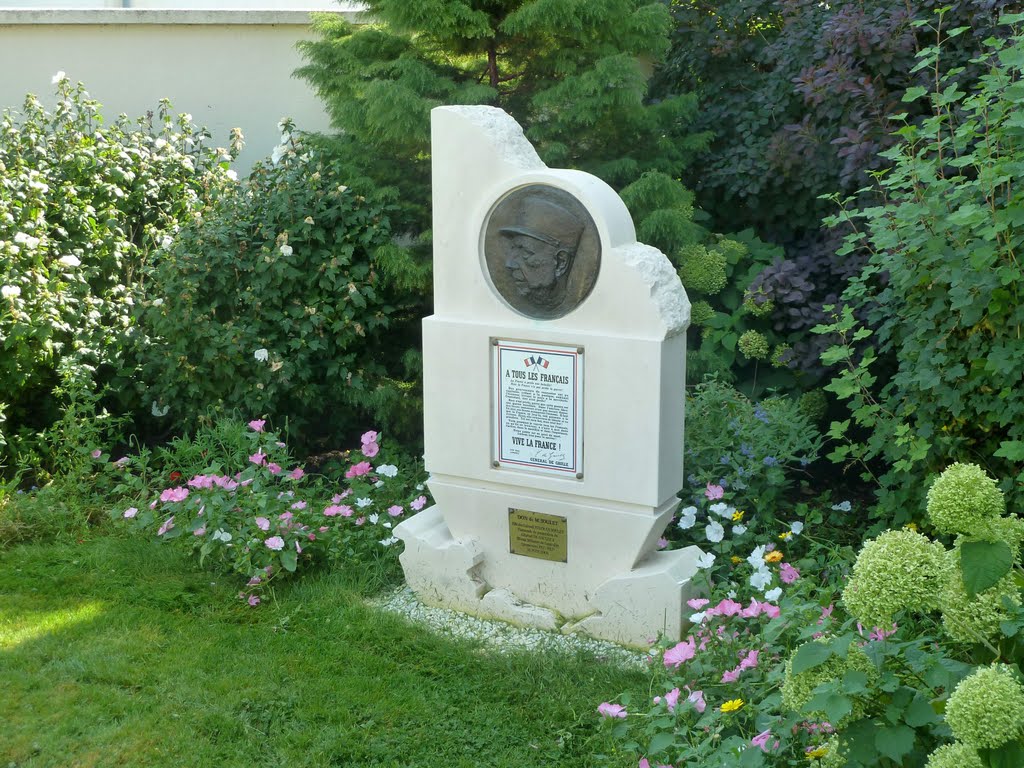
[(262, 523), (358, 470), (131, 512), (179, 493), (788, 574), (769, 610), (680, 653), (256, 425), (697, 699), (335, 509), (643, 763), (168, 524), (761, 741), (121, 462), (298, 548), (296, 474), (274, 469), (662, 542), (299, 505), (671, 699), (731, 676), (97, 453), (253, 581), (394, 510), (368, 437), (275, 543), (611, 710), (749, 661), (751, 610), (418, 503), (254, 600), (284, 517), (323, 529), (714, 492), (360, 520), (201, 481), (826, 613), (370, 450), (259, 458), (338, 497), (199, 531), (727, 608), (697, 603)]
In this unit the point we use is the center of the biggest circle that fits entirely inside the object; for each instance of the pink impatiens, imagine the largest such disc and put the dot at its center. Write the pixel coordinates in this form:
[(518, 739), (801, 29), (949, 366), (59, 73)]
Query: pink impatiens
[(418, 503), (682, 652), (275, 543), (788, 574), (174, 494), (256, 425), (358, 470)]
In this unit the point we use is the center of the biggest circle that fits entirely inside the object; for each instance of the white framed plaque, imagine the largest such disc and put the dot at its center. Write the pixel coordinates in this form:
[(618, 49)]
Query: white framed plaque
[(538, 407)]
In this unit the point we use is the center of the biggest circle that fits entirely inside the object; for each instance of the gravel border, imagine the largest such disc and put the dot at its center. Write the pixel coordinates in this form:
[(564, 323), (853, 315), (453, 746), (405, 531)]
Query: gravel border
[(506, 638)]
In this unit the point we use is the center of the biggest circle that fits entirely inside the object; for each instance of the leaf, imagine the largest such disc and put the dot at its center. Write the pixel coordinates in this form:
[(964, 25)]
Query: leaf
[(920, 712), (1010, 755), (289, 560), (913, 94), (809, 656), (661, 742), (836, 706), (1011, 449), (983, 564), (895, 741)]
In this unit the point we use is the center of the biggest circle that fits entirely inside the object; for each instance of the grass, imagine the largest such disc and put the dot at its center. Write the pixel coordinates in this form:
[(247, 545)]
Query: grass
[(117, 652)]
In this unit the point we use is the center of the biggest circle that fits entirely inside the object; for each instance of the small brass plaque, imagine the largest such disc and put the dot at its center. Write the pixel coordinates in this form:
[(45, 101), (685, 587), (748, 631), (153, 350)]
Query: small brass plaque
[(534, 534)]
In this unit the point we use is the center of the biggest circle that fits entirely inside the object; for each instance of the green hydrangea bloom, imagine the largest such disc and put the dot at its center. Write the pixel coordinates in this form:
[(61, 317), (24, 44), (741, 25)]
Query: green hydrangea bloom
[(1008, 529), (969, 619), (897, 570), (955, 755), (797, 690), (701, 312), (834, 757), (986, 709), (758, 304), (963, 498), (753, 345), (813, 404), (780, 356), (703, 270)]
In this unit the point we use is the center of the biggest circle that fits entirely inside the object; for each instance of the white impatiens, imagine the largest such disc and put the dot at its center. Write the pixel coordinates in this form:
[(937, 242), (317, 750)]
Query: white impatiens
[(10, 291), (261, 355)]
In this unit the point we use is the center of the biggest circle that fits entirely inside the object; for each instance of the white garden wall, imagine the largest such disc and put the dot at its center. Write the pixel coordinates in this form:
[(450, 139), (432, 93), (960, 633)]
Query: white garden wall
[(226, 68)]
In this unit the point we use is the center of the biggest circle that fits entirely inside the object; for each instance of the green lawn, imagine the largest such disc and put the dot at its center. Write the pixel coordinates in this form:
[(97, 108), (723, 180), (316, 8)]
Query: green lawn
[(119, 652)]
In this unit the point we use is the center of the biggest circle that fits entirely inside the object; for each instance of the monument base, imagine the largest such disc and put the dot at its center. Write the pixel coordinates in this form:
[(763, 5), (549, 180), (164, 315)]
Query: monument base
[(631, 608)]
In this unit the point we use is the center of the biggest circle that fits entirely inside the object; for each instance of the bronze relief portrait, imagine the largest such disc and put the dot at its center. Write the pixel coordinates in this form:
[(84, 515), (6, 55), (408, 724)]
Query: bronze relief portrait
[(542, 251)]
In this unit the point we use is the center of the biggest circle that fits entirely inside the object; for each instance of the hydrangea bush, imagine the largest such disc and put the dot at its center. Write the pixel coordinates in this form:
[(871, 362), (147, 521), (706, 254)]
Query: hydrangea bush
[(271, 519)]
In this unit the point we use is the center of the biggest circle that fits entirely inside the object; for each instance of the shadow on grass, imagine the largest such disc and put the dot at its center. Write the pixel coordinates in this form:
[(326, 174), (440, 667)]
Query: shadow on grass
[(119, 652)]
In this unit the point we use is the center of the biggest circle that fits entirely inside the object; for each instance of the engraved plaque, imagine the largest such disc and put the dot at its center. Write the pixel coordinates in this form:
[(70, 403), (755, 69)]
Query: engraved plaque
[(538, 407), (534, 534), (542, 251)]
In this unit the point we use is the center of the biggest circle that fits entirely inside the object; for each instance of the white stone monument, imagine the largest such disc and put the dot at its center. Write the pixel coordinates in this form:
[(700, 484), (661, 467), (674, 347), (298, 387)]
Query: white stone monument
[(554, 370)]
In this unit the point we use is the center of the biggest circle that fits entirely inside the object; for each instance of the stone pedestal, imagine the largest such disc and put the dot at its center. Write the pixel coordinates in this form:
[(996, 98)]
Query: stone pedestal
[(554, 370)]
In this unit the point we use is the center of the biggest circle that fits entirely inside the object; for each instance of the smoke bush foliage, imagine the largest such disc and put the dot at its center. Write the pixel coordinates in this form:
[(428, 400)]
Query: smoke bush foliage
[(269, 300), (82, 204), (942, 286), (799, 95)]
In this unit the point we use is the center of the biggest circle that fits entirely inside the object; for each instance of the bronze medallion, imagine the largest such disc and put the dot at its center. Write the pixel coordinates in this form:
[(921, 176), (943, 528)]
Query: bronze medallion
[(542, 250)]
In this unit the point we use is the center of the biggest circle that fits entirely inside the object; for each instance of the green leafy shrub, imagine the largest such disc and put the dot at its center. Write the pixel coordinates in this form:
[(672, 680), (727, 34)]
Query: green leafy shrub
[(270, 297), (935, 378), (82, 204)]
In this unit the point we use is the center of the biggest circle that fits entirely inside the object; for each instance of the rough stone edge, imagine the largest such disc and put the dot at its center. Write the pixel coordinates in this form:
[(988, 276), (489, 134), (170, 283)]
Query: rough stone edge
[(505, 133), (667, 290)]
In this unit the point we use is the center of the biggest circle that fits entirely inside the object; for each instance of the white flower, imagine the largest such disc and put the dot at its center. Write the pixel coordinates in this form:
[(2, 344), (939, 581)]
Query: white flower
[(160, 143), (221, 535), (386, 523), (27, 240), (166, 241), (261, 355), (188, 117), (739, 530), (158, 302), (363, 502), (688, 518), (760, 578), (706, 560), (697, 618), (842, 506), (773, 594), (379, 484), (797, 528), (281, 124), (286, 250), (714, 531), (419, 487), (756, 558), (374, 518), (309, 220), (10, 291), (388, 470), (285, 137), (233, 175), (723, 510), (58, 77), (277, 154), (389, 541), (157, 411), (69, 261)]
